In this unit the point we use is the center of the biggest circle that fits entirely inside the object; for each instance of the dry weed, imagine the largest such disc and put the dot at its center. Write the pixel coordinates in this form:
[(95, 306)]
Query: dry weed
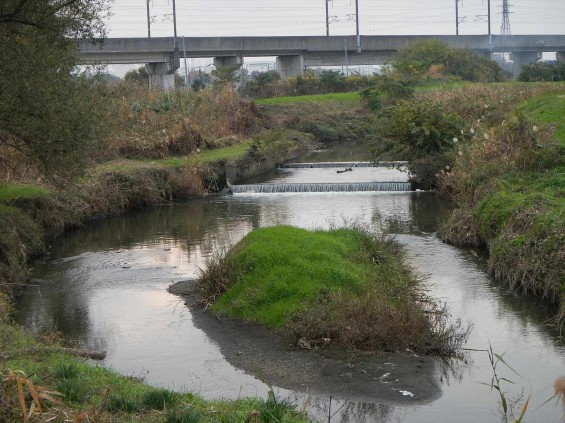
[(18, 388), (559, 387)]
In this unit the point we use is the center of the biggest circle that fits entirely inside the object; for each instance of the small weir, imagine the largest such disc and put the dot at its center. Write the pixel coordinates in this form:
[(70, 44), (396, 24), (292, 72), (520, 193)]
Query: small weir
[(327, 187), (341, 164)]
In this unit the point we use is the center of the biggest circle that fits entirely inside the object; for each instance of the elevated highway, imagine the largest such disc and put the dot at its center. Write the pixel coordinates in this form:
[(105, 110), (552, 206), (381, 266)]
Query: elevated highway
[(293, 54)]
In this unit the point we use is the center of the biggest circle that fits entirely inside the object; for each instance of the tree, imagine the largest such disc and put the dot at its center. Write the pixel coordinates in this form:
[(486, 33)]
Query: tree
[(48, 113), (138, 76), (226, 75), (416, 60)]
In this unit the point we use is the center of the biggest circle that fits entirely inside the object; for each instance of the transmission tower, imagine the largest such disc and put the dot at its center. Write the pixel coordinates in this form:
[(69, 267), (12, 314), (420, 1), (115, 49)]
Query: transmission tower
[(505, 27)]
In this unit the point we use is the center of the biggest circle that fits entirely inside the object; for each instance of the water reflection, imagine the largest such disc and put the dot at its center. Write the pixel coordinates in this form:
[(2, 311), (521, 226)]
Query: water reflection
[(104, 285)]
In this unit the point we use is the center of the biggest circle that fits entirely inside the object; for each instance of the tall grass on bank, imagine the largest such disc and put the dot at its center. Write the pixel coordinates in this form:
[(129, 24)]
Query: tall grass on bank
[(344, 286), (428, 128), (150, 124), (509, 187)]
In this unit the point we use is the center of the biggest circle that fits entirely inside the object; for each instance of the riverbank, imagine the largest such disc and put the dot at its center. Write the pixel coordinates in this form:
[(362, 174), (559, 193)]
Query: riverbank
[(56, 386), (509, 187)]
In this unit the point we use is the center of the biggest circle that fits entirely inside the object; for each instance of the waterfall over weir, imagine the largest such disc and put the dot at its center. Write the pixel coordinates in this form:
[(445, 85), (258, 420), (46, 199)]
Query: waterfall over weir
[(320, 187), (341, 164)]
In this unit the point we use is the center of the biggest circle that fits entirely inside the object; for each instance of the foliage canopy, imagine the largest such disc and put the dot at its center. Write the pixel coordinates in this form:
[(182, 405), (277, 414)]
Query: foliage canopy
[(418, 58), (47, 112)]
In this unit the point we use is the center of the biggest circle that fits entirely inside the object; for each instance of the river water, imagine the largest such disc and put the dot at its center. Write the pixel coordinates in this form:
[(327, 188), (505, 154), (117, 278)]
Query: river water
[(105, 285)]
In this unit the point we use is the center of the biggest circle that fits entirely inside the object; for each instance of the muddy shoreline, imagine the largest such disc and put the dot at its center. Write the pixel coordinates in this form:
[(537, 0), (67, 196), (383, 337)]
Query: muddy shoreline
[(390, 378)]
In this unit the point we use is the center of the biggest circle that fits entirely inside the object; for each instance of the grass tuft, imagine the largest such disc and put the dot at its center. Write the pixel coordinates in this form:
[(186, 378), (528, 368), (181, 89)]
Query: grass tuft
[(159, 399)]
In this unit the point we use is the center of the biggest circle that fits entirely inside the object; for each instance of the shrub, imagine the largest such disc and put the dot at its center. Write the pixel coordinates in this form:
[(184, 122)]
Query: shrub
[(423, 128), (386, 90), (333, 81), (542, 71), (417, 59)]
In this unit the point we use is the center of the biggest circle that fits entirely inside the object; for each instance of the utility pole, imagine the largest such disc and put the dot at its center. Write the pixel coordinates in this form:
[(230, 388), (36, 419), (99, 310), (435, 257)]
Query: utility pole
[(346, 58), (488, 19), (185, 67), (175, 21), (148, 21), (456, 17), (357, 26), (489, 31), (327, 18), (505, 27)]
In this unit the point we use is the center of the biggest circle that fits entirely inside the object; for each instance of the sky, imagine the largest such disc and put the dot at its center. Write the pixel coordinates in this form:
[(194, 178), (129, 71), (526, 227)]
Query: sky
[(308, 17)]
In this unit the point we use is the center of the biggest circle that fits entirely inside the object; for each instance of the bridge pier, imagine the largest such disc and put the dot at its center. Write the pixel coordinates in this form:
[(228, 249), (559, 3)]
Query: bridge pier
[(523, 58), (228, 61), (560, 56), (160, 76), (290, 66)]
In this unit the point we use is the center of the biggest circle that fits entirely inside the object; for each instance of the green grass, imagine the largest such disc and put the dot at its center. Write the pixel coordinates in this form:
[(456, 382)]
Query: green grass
[(351, 97), (440, 85), (225, 153), (13, 192), (548, 109), (520, 213), (208, 156), (318, 285), (105, 395), (286, 267), (204, 157)]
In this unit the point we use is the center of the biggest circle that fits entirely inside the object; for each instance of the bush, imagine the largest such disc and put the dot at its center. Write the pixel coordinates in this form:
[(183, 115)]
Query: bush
[(419, 58), (423, 128), (386, 90), (542, 72), (333, 81)]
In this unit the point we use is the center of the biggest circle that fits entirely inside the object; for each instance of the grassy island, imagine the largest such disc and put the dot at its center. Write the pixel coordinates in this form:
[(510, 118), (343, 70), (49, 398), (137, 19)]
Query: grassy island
[(342, 286)]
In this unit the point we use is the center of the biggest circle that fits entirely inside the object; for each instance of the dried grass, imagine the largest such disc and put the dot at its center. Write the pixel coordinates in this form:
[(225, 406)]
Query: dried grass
[(559, 387), (155, 125)]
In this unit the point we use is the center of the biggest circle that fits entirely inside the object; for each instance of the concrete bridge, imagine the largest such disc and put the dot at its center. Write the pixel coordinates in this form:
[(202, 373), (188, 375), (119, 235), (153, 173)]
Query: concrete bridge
[(162, 54)]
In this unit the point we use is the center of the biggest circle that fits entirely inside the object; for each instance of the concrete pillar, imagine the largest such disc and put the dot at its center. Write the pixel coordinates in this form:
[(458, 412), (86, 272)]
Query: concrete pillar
[(560, 56), (523, 58), (290, 66), (160, 76), (228, 61)]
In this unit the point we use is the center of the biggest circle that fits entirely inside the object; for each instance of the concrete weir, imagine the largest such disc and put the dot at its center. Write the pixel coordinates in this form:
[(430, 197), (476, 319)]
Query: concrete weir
[(341, 164), (327, 187)]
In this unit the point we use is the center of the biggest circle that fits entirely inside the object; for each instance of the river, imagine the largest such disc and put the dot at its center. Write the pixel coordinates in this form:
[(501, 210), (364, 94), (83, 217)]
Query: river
[(105, 285)]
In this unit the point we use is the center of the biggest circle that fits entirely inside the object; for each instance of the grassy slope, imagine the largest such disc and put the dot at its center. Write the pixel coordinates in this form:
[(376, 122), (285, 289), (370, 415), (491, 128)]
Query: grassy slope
[(102, 394), (521, 215), (542, 236)]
